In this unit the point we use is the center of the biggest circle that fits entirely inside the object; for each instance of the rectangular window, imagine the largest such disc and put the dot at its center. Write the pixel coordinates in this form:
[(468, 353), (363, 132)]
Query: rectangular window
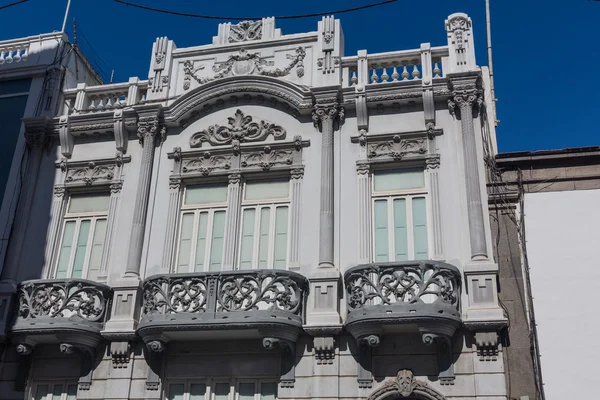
[(219, 389), (202, 228), (83, 236), (264, 228), (54, 391), (400, 230)]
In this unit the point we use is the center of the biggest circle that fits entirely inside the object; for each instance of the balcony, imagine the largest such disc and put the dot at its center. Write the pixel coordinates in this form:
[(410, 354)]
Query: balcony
[(71, 312), (421, 296), (267, 304)]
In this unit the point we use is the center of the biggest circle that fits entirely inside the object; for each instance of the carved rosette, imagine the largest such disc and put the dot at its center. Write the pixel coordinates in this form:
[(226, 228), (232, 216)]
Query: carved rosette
[(240, 127)]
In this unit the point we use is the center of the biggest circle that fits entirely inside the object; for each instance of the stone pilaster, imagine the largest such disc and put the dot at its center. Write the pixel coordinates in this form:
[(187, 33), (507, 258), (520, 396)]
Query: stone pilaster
[(58, 202), (297, 176), (113, 215), (232, 220), (432, 170), (465, 99), (172, 215), (364, 214)]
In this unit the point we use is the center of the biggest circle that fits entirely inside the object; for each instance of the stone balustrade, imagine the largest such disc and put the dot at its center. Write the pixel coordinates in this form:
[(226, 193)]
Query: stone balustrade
[(395, 66), (87, 99), (14, 52)]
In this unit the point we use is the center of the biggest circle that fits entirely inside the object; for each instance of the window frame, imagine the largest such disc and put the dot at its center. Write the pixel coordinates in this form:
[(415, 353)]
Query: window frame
[(259, 204), (51, 384), (408, 195), (78, 218), (196, 210), (210, 384)]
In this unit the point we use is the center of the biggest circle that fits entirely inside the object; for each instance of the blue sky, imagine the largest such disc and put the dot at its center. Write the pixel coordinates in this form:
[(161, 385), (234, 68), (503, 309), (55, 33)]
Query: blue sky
[(546, 52)]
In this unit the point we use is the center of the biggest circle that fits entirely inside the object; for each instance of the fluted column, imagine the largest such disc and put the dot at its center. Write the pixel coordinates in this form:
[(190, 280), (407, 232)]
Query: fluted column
[(433, 167), (325, 115), (58, 201), (232, 221), (172, 214), (364, 214), (36, 141), (147, 130), (113, 214), (465, 100), (295, 221)]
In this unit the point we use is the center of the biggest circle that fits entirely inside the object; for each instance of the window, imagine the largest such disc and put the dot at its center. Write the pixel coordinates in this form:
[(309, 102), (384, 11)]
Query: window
[(54, 391), (222, 389), (202, 228), (264, 224), (83, 236), (399, 215)]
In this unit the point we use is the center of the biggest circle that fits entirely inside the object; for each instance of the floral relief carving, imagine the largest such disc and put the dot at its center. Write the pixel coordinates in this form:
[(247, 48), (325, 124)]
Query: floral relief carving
[(397, 148), (240, 127), (206, 164), (267, 158), (244, 63), (245, 31), (405, 385), (90, 174)]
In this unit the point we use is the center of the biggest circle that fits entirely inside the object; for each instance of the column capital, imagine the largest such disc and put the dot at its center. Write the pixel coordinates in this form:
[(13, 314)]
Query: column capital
[(328, 109), (147, 127), (234, 178)]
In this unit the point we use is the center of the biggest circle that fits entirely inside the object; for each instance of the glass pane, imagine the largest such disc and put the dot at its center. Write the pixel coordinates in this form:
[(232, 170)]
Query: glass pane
[(15, 86), (398, 179), (419, 210), (185, 242), (201, 242), (72, 392), (271, 189), (57, 392), (247, 238), (82, 241), (222, 391), (65, 250), (281, 231), (246, 391), (197, 391), (381, 231), (97, 247), (216, 247), (268, 391), (89, 202), (208, 193), (11, 112), (263, 241), (41, 392), (176, 391), (400, 231)]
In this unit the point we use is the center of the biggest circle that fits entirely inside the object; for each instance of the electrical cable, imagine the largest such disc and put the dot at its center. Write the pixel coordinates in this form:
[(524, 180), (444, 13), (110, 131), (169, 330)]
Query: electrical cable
[(13, 4), (183, 14)]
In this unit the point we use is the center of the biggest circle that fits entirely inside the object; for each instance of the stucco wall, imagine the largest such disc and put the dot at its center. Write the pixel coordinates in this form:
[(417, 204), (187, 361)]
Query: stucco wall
[(562, 245)]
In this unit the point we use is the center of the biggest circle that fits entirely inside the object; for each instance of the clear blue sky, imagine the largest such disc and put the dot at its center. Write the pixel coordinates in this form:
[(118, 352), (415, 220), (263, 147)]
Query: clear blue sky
[(546, 52)]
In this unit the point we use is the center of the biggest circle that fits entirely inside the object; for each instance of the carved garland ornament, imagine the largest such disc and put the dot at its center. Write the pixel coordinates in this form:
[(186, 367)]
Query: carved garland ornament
[(397, 148), (405, 385), (91, 173), (244, 63), (240, 127)]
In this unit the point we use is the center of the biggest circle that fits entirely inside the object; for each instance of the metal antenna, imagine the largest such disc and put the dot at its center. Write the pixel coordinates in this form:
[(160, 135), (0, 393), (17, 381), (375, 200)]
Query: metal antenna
[(66, 15)]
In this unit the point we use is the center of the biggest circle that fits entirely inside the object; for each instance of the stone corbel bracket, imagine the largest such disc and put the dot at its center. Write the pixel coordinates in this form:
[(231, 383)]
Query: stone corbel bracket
[(365, 345), (487, 345), (103, 171), (288, 359), (87, 353), (120, 353), (155, 359), (445, 357)]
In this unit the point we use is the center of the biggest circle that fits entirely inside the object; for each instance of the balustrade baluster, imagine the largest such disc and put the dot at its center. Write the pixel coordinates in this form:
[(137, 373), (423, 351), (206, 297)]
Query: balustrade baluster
[(374, 77), (109, 103), (395, 74), (384, 76), (416, 73), (9, 58), (436, 69), (17, 57), (2, 57), (100, 105), (354, 79), (25, 54), (405, 73)]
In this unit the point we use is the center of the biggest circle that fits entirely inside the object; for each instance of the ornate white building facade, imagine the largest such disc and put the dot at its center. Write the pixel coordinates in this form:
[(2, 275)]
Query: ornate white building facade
[(263, 217)]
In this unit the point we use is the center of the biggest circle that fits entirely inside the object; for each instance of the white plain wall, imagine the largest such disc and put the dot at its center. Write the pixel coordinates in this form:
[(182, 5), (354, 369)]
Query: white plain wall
[(563, 245)]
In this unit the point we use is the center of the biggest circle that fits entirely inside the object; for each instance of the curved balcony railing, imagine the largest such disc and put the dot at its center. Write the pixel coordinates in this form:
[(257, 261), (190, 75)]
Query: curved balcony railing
[(426, 293), (229, 300), (56, 306)]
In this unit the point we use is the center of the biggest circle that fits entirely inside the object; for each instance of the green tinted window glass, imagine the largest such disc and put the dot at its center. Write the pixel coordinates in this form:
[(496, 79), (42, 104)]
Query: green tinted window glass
[(400, 230), (216, 248), (82, 241), (41, 392), (197, 391), (64, 254), (248, 216), (176, 391), (89, 202), (204, 194), (263, 242), (381, 231), (246, 391), (419, 209), (268, 391), (97, 248), (222, 391), (201, 241), (398, 179), (281, 232), (268, 189)]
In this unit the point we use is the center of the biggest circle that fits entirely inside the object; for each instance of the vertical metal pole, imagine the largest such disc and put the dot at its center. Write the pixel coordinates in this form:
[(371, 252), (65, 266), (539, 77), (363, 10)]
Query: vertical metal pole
[(490, 62), (66, 15)]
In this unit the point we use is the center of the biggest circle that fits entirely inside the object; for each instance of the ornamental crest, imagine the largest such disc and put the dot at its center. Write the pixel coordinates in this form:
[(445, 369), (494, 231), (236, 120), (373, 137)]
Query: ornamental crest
[(240, 127), (245, 31)]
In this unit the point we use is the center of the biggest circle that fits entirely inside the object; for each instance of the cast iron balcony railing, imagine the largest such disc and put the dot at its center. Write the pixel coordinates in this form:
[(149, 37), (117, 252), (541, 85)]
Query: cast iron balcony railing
[(62, 309), (269, 301), (425, 293)]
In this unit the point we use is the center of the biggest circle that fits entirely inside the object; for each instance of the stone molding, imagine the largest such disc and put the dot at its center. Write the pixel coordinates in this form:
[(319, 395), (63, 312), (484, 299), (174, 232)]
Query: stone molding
[(324, 349), (487, 345)]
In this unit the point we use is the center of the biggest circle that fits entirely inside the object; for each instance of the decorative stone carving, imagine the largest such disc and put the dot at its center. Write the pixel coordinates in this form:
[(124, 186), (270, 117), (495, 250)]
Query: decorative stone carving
[(457, 24), (487, 345), (23, 349), (59, 191), (327, 110), (244, 63), (288, 359), (371, 340), (324, 348), (397, 148), (363, 168), (267, 158), (433, 162), (155, 346), (147, 128), (174, 183), (120, 353), (90, 174), (67, 348), (245, 31), (206, 164), (240, 127), (234, 178), (405, 385), (116, 187), (297, 173)]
